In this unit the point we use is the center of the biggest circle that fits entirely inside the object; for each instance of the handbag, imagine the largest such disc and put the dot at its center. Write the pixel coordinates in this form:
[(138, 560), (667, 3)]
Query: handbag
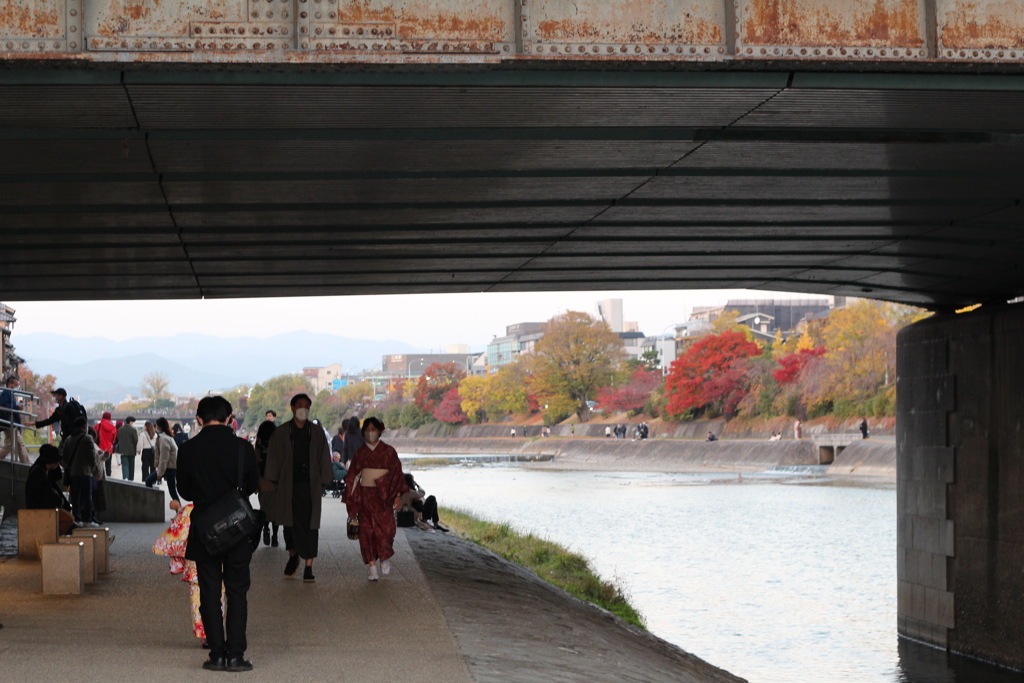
[(405, 518), (231, 520), (352, 528)]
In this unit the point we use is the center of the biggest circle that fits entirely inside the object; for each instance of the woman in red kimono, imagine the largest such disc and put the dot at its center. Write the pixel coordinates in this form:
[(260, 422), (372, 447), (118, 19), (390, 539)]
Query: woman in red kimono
[(373, 491)]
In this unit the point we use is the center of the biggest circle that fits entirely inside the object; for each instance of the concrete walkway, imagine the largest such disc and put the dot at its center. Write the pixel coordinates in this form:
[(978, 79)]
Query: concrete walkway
[(134, 624), (450, 612)]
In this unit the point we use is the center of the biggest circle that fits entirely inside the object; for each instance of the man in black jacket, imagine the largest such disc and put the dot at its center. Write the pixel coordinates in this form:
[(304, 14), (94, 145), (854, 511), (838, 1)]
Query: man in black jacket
[(207, 470), (66, 413)]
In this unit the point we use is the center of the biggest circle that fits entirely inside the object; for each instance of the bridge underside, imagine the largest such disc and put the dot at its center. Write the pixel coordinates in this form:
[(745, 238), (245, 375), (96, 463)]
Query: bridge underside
[(147, 184)]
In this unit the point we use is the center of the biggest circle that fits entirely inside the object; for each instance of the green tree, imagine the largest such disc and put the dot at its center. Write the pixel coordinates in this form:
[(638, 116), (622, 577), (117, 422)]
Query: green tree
[(102, 407), (274, 394), (651, 359), (413, 416), (576, 357)]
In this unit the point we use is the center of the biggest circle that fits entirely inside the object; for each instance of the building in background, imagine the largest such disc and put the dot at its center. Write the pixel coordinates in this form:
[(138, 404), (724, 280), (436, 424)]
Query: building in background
[(412, 365), (327, 378), (519, 339), (9, 361), (665, 346)]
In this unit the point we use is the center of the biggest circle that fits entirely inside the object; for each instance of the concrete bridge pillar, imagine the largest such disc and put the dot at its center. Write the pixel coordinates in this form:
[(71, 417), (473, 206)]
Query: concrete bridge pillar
[(960, 417)]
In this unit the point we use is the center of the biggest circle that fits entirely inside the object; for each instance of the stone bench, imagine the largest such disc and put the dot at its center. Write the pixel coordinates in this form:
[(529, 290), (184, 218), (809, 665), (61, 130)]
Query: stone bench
[(102, 546), (63, 567), (90, 543), (35, 528)]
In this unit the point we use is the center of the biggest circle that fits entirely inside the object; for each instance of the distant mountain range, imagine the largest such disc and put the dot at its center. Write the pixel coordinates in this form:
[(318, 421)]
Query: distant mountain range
[(99, 369)]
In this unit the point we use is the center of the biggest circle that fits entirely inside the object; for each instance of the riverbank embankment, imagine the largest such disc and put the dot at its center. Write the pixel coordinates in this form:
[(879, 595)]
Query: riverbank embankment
[(876, 458)]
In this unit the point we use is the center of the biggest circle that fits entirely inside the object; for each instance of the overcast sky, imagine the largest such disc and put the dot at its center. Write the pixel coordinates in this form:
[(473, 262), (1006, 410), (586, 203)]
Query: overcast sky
[(425, 320)]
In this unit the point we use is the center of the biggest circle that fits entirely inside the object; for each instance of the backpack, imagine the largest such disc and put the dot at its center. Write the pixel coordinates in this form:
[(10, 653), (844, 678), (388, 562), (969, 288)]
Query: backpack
[(74, 410)]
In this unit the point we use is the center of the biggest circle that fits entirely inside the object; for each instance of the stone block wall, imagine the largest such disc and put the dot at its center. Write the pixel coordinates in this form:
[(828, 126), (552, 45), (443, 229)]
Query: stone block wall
[(961, 483)]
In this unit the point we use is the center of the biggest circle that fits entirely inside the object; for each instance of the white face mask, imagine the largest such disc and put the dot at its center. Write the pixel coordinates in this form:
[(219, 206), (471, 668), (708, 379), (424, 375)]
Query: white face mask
[(372, 436), (302, 414)]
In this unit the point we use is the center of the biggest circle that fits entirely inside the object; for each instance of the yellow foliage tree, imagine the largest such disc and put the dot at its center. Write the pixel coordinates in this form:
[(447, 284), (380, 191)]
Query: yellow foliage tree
[(576, 357), (506, 391), (473, 392)]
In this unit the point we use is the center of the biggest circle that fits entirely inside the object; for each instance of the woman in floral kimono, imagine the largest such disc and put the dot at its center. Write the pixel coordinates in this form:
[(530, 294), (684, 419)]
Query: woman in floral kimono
[(373, 491), (172, 544)]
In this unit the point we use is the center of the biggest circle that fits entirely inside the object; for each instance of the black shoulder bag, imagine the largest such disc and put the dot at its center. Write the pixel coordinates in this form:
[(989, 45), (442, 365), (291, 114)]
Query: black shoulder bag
[(231, 520)]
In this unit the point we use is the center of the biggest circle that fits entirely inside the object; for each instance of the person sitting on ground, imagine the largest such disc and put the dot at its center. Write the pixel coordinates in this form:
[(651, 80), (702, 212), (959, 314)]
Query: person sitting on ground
[(712, 437), (43, 487), (424, 506), (412, 500)]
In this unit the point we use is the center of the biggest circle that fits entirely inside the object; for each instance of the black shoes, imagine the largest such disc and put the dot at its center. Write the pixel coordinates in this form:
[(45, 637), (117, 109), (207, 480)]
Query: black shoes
[(293, 564), (216, 663), (237, 664), (307, 575), (266, 536), (440, 527)]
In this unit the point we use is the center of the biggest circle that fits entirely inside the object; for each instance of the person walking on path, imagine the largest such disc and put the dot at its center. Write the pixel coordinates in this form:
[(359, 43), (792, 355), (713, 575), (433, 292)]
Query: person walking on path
[(13, 442), (338, 442), (147, 449), (165, 458), (79, 459), (66, 413), (353, 441), (180, 436), (798, 432), (299, 467), (106, 434), (864, 428), (208, 470), (266, 495), (127, 445), (373, 491)]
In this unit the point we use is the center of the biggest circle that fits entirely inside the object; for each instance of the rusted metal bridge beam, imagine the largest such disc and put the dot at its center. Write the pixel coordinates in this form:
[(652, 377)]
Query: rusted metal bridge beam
[(271, 32)]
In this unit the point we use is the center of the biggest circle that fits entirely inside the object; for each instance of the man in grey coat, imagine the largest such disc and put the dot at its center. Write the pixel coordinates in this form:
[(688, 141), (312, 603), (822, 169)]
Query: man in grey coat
[(299, 467), (127, 444)]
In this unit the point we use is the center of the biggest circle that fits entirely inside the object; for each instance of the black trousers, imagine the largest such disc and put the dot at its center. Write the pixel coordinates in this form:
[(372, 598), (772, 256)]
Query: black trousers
[(299, 537), (147, 462), (428, 508), (225, 637)]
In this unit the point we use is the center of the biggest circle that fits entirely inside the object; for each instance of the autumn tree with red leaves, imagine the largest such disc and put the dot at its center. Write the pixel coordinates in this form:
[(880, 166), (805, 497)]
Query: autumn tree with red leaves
[(794, 364), (435, 383), (630, 397), (450, 408), (711, 374)]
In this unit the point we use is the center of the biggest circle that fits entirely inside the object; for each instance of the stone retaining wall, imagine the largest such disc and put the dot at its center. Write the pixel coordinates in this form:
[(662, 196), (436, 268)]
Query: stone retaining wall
[(867, 459), (660, 455)]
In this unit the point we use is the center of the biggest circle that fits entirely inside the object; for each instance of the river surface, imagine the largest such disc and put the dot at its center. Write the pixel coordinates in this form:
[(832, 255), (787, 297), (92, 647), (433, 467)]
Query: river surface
[(773, 577)]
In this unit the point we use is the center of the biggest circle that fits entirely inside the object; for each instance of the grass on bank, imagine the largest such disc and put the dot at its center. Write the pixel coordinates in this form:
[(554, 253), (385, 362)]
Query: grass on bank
[(567, 570), (433, 462)]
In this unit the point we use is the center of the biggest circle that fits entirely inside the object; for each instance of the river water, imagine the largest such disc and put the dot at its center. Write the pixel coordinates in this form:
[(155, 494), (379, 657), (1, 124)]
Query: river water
[(773, 577)]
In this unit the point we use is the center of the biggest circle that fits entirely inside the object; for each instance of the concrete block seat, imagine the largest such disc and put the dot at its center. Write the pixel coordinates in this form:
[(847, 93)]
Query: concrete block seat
[(90, 544), (35, 528), (63, 568), (102, 546)]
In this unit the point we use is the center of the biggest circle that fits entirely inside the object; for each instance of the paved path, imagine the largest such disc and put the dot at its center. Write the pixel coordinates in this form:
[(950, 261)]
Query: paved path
[(134, 624), (450, 612)]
